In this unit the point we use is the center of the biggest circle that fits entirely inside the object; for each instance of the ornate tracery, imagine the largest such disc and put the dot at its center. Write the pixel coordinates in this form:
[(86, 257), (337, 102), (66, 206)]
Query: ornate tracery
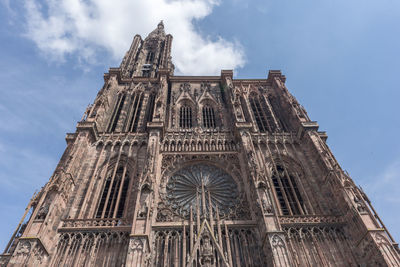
[(208, 117), (327, 246), (185, 117), (113, 197), (194, 186), (204, 197), (288, 194), (135, 108), (116, 113), (262, 114)]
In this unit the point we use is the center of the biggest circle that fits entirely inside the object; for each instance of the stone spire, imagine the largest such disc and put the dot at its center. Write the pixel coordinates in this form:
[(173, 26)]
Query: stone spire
[(146, 57), (158, 32)]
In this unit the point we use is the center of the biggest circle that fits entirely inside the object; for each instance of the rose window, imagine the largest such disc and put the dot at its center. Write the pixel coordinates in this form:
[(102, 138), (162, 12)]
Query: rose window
[(197, 186)]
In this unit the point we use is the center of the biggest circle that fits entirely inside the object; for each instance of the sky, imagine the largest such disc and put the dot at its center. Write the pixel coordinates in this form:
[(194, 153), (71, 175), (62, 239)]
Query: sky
[(341, 59)]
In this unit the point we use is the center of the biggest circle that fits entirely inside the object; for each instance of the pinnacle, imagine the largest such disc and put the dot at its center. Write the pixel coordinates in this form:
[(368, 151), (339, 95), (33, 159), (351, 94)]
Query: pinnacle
[(160, 25)]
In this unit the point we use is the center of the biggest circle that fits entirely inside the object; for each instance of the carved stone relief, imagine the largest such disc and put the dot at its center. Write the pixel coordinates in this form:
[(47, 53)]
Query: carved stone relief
[(136, 244), (24, 247), (200, 172), (186, 188), (32, 248)]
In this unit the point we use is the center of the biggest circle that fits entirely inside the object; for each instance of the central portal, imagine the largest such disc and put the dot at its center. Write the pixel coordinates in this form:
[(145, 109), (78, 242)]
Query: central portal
[(204, 220)]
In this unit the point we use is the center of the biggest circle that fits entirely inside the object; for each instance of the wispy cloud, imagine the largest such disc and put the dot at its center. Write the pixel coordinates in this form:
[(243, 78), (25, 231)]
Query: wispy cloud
[(83, 28), (386, 186), (384, 192), (19, 168), (7, 5)]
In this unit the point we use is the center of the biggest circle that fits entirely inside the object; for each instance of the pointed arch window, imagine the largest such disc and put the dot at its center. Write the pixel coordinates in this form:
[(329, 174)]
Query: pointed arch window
[(208, 117), (150, 108), (134, 112), (287, 192), (116, 113), (262, 114), (185, 117), (113, 197), (150, 57)]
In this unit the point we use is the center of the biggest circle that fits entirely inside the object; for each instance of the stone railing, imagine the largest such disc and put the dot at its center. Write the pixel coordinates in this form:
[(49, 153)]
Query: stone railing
[(93, 223), (286, 137), (310, 220), (198, 141)]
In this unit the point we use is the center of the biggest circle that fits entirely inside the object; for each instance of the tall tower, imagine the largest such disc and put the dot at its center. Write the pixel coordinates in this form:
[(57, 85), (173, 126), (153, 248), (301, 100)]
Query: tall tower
[(168, 170)]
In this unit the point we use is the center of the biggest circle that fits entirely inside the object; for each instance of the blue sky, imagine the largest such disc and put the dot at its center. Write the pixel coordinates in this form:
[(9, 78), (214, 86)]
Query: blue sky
[(341, 59)]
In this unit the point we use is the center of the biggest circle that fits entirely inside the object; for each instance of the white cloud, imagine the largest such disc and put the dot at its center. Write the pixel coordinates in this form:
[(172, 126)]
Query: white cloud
[(82, 28), (386, 187), (384, 191), (19, 167)]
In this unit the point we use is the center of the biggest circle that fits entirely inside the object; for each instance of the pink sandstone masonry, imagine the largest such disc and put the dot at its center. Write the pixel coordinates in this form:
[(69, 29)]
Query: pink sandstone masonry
[(168, 170)]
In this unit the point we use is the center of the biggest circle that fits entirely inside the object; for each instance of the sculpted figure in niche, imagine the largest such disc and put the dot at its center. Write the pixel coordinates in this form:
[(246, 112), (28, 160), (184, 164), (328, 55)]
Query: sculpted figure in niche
[(359, 204), (207, 256), (267, 207), (238, 111), (42, 212), (144, 199), (158, 110), (266, 204)]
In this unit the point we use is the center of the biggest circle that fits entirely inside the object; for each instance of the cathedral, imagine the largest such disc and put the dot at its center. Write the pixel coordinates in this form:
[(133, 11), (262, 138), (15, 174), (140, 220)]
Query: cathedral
[(167, 170)]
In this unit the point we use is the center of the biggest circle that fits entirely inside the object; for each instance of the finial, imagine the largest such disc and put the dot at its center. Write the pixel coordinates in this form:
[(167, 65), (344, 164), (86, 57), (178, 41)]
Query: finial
[(160, 25)]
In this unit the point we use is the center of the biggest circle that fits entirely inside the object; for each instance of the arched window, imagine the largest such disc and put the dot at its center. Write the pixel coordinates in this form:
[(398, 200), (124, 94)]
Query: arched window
[(185, 117), (134, 112), (150, 108), (262, 114), (208, 117), (288, 194), (116, 113), (150, 57), (113, 197)]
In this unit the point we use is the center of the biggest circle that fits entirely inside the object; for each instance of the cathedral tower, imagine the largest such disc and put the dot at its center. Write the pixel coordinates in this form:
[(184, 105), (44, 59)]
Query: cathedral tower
[(168, 170)]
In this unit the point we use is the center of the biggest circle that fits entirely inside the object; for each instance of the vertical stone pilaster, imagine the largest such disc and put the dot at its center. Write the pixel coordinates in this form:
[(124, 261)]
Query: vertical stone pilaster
[(138, 251)]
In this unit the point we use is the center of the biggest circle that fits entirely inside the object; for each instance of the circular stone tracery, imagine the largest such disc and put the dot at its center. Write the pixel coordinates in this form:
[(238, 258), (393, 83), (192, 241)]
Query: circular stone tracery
[(195, 184)]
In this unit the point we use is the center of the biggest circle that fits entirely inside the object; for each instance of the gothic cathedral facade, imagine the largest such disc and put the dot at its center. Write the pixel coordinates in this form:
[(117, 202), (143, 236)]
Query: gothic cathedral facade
[(168, 170)]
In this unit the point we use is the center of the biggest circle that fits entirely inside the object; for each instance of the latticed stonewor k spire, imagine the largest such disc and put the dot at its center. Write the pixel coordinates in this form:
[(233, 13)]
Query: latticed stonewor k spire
[(167, 170), (146, 58)]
